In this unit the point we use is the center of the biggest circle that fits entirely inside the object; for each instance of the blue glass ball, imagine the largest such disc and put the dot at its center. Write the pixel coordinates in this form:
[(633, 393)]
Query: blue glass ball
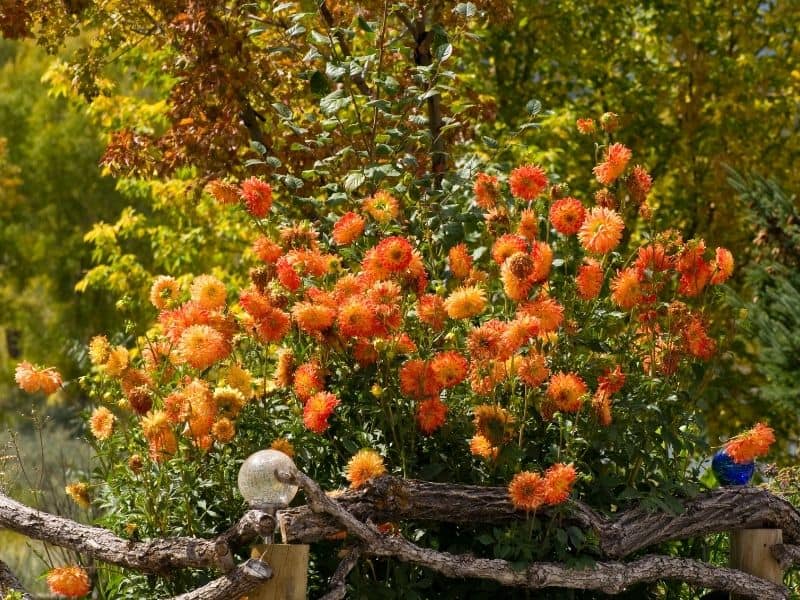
[(729, 472)]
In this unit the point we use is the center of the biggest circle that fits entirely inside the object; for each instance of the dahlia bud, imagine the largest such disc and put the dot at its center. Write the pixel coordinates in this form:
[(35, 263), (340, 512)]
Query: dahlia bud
[(609, 122), (605, 199), (558, 190), (135, 463)]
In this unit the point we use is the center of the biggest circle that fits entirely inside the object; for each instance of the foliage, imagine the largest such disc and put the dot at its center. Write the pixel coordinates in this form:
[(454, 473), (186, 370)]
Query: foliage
[(770, 300), (50, 193), (702, 85), (356, 336)]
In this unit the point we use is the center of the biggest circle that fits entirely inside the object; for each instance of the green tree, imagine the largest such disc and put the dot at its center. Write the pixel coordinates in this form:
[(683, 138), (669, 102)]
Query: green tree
[(51, 195)]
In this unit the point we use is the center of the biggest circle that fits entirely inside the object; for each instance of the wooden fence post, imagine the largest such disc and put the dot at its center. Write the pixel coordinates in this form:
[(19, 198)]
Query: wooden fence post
[(750, 552), (289, 564)]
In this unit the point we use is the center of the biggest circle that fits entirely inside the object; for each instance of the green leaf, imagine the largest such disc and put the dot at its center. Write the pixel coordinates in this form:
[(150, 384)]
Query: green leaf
[(364, 25), (533, 107), (354, 180), (443, 52), (466, 10), (319, 83), (334, 102), (292, 182), (284, 111)]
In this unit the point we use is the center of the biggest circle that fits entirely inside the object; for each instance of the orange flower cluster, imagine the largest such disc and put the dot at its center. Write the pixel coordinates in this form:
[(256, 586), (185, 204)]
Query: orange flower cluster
[(527, 182), (615, 161), (364, 465), (353, 303), (318, 409), (33, 380), (608, 384), (69, 582), (257, 197), (751, 444), (529, 491)]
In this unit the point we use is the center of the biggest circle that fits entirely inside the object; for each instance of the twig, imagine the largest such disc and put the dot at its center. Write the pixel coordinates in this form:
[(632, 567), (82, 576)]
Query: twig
[(609, 577), (153, 556), (358, 79), (10, 583), (786, 554), (338, 583), (393, 499), (243, 580)]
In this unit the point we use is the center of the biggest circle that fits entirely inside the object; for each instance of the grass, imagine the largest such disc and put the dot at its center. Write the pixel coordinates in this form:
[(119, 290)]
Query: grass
[(37, 460)]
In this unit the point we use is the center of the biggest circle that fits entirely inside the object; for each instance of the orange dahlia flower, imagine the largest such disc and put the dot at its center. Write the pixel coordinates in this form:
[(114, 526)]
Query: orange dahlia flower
[(101, 423), (567, 215), (431, 415), (626, 289), (532, 369), (465, 302), (527, 491), (223, 192), (382, 206), (33, 380), (318, 410), (165, 290), (460, 261), (267, 250), (357, 319), (308, 380), (589, 280), (528, 224), (751, 444), (70, 582), (201, 346), (586, 126), (558, 481), (431, 311), (601, 231), (527, 182), (257, 196), (313, 317), (363, 466), (616, 159), (480, 446), (273, 325), (566, 390), (723, 266), (507, 245), (487, 191), (449, 368), (348, 228), (394, 253), (208, 292)]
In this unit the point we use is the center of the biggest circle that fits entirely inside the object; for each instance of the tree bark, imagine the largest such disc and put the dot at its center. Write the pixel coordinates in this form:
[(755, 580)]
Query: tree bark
[(242, 580), (607, 577), (153, 556), (392, 499), (9, 583)]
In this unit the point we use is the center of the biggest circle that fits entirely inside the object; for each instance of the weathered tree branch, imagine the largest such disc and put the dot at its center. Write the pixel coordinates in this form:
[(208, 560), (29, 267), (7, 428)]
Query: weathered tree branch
[(338, 583), (153, 556), (357, 78), (787, 555), (242, 580), (10, 583), (392, 499), (608, 577)]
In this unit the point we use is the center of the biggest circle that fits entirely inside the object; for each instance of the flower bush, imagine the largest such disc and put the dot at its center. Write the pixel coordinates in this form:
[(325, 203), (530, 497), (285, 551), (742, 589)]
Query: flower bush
[(519, 333)]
